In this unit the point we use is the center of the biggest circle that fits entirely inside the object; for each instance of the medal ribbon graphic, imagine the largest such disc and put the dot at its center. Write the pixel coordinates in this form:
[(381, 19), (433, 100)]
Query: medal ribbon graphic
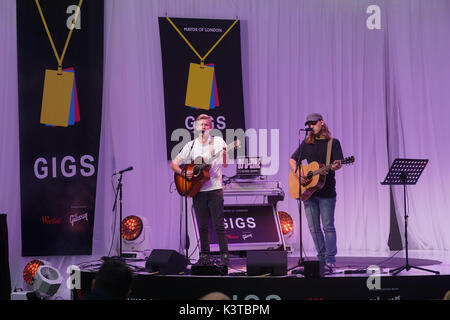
[(201, 92), (59, 99)]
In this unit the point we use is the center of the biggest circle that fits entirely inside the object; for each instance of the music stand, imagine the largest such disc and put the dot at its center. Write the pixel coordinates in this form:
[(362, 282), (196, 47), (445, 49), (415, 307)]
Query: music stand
[(406, 172)]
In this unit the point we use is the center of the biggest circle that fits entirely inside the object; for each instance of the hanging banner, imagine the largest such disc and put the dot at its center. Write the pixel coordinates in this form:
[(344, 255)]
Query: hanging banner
[(60, 74), (202, 74)]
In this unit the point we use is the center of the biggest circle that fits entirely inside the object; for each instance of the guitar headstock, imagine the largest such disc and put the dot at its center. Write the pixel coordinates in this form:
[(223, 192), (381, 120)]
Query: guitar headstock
[(348, 160)]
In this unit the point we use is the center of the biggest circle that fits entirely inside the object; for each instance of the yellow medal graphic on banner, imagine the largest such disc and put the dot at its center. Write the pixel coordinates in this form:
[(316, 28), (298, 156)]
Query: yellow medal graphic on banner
[(201, 91), (56, 98), (58, 84), (198, 93)]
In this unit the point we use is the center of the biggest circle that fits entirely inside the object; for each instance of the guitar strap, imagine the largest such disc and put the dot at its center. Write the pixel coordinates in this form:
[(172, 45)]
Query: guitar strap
[(330, 143)]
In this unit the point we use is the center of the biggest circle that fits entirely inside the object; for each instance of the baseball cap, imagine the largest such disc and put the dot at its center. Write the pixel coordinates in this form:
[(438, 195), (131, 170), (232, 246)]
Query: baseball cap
[(312, 118)]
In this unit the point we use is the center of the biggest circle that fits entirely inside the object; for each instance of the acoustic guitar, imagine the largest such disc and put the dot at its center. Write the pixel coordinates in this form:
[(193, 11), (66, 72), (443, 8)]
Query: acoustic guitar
[(200, 173), (316, 180)]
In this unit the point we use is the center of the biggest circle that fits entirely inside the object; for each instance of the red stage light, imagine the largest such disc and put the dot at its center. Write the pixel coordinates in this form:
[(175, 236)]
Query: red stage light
[(287, 224), (30, 270), (131, 228)]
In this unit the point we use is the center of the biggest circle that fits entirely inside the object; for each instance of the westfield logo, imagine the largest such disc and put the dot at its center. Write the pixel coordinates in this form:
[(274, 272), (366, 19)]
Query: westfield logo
[(48, 220)]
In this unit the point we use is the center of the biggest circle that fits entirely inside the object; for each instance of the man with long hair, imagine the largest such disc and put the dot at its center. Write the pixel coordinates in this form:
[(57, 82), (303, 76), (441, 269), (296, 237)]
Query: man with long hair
[(209, 200), (321, 205)]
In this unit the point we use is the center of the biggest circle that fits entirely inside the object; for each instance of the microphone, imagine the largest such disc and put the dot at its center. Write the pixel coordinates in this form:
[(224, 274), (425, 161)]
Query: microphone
[(124, 170), (306, 129)]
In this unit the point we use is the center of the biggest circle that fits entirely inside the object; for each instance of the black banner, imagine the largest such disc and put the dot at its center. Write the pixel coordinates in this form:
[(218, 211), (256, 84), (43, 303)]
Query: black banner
[(59, 123), (188, 91)]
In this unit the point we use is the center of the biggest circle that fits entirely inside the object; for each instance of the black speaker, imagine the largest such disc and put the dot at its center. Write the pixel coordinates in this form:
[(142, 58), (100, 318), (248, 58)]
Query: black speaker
[(166, 261), (266, 262), (5, 279), (313, 269)]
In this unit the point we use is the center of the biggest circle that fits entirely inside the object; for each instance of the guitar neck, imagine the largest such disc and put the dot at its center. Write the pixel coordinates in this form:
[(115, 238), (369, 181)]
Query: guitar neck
[(229, 147), (213, 157), (324, 168), (328, 167)]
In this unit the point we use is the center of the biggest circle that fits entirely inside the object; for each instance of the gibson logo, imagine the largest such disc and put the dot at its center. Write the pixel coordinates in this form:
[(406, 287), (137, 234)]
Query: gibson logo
[(48, 220), (246, 236), (75, 218)]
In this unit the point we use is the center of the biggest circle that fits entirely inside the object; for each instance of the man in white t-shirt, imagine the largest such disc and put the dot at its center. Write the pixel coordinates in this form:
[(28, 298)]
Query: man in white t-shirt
[(209, 200)]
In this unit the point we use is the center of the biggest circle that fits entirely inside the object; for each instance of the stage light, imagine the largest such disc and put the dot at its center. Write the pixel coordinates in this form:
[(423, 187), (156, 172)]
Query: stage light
[(30, 270), (135, 237), (41, 281), (47, 280), (287, 224), (131, 228)]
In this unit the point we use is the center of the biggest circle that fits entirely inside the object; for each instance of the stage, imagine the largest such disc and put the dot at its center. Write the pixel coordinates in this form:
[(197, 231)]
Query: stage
[(348, 282)]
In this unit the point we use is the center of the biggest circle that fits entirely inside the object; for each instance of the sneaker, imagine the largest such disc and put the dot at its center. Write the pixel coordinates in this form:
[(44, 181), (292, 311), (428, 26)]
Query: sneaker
[(330, 266), (204, 260)]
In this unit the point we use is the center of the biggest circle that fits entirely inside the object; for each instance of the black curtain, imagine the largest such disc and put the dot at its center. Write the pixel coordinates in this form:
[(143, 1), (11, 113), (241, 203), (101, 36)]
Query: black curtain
[(5, 279)]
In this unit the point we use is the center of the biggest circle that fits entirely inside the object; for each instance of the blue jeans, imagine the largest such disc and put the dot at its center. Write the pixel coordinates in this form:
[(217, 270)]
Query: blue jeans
[(325, 242)]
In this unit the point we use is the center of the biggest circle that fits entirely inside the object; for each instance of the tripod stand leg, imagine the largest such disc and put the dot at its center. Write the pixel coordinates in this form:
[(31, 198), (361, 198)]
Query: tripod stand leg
[(423, 269), (398, 270), (408, 267)]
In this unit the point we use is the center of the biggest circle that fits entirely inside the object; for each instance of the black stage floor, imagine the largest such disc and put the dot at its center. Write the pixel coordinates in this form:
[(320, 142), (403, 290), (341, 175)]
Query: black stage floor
[(349, 281), (344, 263)]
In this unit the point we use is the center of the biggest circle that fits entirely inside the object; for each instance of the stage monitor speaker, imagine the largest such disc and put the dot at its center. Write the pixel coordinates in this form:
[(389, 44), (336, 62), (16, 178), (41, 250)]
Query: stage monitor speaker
[(5, 288), (166, 261), (266, 262), (313, 269)]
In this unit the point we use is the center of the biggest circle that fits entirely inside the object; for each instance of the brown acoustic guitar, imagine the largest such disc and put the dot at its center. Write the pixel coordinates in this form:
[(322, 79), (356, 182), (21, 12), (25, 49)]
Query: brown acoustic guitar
[(316, 180), (200, 173)]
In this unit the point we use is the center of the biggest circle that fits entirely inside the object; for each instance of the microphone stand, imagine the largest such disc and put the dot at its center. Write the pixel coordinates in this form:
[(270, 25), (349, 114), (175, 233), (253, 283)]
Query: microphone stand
[(298, 166), (186, 243), (119, 194), (186, 239)]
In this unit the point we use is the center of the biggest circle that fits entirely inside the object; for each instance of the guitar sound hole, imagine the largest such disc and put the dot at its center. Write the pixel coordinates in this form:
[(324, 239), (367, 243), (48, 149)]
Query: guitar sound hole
[(196, 171), (310, 175)]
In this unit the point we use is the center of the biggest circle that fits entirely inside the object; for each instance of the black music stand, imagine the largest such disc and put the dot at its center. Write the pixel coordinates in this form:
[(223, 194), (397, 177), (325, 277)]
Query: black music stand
[(406, 172)]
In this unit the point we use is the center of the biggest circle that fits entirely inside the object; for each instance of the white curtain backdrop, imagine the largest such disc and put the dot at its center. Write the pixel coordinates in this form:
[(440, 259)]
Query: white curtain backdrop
[(383, 94), (9, 136), (419, 113)]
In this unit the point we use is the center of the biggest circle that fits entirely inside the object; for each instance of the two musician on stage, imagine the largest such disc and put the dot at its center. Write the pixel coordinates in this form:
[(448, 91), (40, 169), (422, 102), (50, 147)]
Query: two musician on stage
[(320, 205)]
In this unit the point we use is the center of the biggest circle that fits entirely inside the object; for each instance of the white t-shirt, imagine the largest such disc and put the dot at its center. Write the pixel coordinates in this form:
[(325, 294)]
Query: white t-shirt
[(203, 150)]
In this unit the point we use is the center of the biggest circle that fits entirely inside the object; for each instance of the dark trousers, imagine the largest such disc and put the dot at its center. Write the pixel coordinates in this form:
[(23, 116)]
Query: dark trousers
[(210, 204)]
